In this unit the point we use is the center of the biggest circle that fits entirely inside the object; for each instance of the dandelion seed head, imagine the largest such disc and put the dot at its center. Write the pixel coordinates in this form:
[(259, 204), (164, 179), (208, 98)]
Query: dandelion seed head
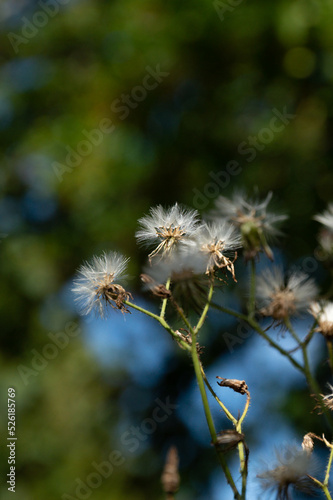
[(323, 312), (281, 298), (326, 218), (291, 471), (166, 228), (217, 241), (96, 285), (186, 270), (255, 223)]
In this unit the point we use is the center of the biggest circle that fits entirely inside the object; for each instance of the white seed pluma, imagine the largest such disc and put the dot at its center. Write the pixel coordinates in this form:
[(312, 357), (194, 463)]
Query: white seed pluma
[(240, 209), (291, 471), (282, 297), (326, 218), (166, 228), (323, 312), (215, 241), (97, 284)]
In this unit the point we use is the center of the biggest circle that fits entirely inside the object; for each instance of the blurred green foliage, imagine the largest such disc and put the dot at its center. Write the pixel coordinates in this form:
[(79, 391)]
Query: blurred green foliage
[(227, 73)]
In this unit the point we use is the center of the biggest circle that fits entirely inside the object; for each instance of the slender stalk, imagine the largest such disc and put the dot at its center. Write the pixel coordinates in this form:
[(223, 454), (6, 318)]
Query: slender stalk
[(197, 369), (247, 404), (211, 390), (164, 302), (243, 467), (255, 325), (209, 418), (242, 449), (206, 308), (231, 312), (162, 322), (323, 487), (312, 383), (252, 299), (328, 468)]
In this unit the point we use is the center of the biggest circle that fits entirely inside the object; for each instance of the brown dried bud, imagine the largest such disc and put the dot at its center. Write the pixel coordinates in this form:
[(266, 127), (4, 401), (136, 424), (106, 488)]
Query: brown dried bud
[(170, 478), (308, 443), (157, 289), (237, 385), (186, 338), (229, 439)]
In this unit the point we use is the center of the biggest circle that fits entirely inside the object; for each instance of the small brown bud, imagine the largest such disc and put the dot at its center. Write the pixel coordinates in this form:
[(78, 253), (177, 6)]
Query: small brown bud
[(308, 443), (157, 289), (237, 385), (229, 439), (170, 478)]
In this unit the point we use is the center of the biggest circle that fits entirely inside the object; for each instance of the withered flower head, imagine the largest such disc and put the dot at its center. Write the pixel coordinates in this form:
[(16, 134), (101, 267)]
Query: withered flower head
[(218, 242), (281, 297), (325, 236), (239, 386), (255, 223), (170, 477), (96, 286), (327, 400), (228, 439), (291, 472), (186, 270), (308, 444), (167, 228), (323, 312)]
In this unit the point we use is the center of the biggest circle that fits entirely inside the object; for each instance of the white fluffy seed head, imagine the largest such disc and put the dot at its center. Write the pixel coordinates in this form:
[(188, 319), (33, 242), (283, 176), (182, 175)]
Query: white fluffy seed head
[(255, 223), (326, 218), (240, 209), (97, 284), (323, 313), (281, 297), (186, 270), (166, 228), (217, 242), (291, 471)]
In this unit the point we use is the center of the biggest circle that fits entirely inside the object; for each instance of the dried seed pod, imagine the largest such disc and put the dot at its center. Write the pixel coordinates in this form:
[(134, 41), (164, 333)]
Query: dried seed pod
[(229, 439), (170, 477), (308, 443), (156, 288), (237, 385)]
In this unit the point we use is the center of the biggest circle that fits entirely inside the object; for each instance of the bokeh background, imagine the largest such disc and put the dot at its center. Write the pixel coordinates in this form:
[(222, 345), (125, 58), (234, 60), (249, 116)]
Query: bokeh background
[(224, 70)]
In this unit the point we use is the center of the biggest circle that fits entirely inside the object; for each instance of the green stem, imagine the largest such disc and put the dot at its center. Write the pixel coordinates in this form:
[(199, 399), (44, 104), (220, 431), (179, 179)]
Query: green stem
[(328, 468), (255, 325), (211, 427), (162, 322), (312, 383), (243, 467), (241, 448), (323, 487), (224, 408), (164, 302), (206, 308)]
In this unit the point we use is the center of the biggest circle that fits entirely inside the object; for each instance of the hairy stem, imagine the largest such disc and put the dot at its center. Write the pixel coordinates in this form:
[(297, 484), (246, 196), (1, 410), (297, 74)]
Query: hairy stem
[(162, 322), (164, 302), (209, 418)]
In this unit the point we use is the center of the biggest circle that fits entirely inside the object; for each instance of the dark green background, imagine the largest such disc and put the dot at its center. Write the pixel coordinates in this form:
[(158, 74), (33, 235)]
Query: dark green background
[(228, 70)]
